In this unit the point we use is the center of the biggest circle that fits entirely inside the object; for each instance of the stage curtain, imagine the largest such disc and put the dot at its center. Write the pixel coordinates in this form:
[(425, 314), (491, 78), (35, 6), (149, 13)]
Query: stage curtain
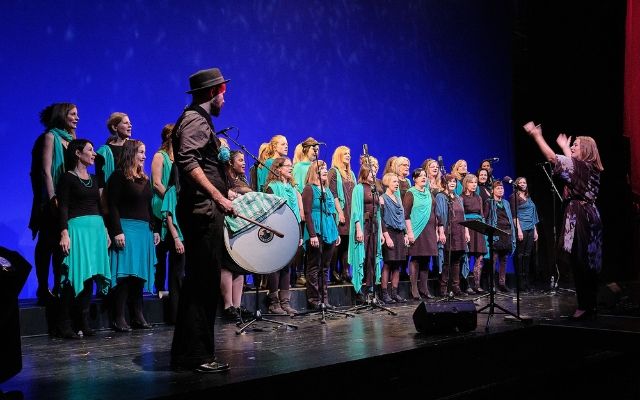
[(632, 91)]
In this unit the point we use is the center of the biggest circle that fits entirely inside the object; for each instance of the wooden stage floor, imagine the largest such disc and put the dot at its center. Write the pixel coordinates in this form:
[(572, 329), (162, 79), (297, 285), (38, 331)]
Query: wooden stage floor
[(371, 354)]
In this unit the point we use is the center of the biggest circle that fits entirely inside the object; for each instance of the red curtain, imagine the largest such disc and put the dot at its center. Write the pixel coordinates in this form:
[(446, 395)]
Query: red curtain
[(632, 91)]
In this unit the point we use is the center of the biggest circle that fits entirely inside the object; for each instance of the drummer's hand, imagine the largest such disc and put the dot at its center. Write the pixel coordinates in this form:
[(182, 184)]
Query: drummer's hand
[(232, 195), (300, 243), (314, 242), (225, 205)]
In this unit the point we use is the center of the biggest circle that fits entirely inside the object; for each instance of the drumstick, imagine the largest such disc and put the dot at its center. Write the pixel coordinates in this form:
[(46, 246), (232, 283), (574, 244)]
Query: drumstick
[(275, 232)]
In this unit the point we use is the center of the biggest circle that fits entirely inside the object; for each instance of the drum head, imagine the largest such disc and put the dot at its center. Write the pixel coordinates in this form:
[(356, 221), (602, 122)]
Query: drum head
[(258, 250)]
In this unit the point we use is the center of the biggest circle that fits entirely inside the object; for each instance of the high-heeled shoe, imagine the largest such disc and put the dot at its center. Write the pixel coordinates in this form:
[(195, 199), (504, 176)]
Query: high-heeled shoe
[(583, 315), (121, 328), (141, 325), (427, 295)]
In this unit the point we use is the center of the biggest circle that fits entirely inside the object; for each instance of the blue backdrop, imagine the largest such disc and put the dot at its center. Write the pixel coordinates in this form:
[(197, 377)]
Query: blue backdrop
[(415, 78)]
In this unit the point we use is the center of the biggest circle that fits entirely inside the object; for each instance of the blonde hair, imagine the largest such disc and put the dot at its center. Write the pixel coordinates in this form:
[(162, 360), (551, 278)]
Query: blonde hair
[(388, 167), (262, 152), (298, 154), (271, 150), (114, 119), (336, 162), (434, 182), (454, 169), (396, 165), (386, 179), (589, 152)]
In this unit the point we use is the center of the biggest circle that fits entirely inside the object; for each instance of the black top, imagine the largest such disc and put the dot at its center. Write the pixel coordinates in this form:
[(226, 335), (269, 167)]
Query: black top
[(99, 162), (128, 199), (196, 145), (77, 197)]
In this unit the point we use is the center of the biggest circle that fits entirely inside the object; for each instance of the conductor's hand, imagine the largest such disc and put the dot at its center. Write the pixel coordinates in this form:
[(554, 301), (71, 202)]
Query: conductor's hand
[(532, 129), (564, 141), (314, 242)]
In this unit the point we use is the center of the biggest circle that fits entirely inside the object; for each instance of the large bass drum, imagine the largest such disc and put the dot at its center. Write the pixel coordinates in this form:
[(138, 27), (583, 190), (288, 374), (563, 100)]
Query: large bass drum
[(260, 251)]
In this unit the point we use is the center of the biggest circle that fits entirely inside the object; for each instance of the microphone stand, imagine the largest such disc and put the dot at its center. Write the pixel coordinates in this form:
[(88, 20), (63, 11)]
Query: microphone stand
[(244, 149), (372, 302), (555, 191)]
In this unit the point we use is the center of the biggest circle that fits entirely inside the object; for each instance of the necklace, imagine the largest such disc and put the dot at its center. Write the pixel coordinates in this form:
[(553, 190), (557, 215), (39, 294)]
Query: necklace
[(85, 182)]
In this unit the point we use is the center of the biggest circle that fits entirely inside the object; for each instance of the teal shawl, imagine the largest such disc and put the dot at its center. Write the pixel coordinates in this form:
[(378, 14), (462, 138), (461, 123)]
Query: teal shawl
[(57, 160), (493, 221), (156, 200), (287, 192), (356, 249), (262, 174), (339, 187), (299, 173), (421, 210), (168, 207), (109, 162)]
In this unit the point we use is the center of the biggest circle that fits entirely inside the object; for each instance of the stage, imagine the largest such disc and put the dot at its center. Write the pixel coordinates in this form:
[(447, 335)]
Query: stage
[(370, 354)]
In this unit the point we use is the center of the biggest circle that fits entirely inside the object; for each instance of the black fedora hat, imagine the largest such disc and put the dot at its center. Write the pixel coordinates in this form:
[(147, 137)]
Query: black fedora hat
[(206, 78)]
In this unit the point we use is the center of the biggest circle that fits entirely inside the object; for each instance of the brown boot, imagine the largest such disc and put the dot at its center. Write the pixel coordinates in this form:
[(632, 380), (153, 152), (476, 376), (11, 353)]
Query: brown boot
[(285, 297), (274, 304)]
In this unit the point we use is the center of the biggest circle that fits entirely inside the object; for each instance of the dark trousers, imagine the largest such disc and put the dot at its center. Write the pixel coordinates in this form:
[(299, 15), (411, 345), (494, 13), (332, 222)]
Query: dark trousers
[(340, 256), (193, 338), (586, 282), (524, 248), (48, 252), (176, 273)]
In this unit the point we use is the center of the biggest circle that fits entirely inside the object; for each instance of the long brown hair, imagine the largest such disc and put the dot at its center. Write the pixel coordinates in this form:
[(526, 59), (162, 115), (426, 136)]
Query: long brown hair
[(127, 162), (590, 153), (312, 173), (55, 116), (278, 163), (165, 136)]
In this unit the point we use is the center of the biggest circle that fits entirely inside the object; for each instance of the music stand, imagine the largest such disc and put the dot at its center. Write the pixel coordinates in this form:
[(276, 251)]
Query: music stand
[(489, 231)]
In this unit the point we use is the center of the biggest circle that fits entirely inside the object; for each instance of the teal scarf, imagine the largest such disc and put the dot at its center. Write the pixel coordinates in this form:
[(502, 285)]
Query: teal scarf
[(299, 173), (57, 161), (357, 249), (109, 162), (156, 201), (339, 187), (287, 192), (421, 210), (168, 207)]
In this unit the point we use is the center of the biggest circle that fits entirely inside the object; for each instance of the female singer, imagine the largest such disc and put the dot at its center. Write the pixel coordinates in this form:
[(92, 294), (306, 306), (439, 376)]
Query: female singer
[(84, 239), (459, 170), (498, 213), (163, 203), (473, 210), (60, 121), (420, 218), (278, 283), (401, 169), (278, 147), (525, 219), (232, 283), (341, 183), (365, 232), (434, 175), (394, 230), (321, 232), (130, 215), (452, 237), (484, 188), (109, 154), (580, 240)]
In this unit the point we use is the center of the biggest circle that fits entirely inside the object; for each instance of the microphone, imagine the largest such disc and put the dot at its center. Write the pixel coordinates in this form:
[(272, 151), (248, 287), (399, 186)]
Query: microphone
[(492, 159), (365, 149), (224, 131), (507, 179)]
